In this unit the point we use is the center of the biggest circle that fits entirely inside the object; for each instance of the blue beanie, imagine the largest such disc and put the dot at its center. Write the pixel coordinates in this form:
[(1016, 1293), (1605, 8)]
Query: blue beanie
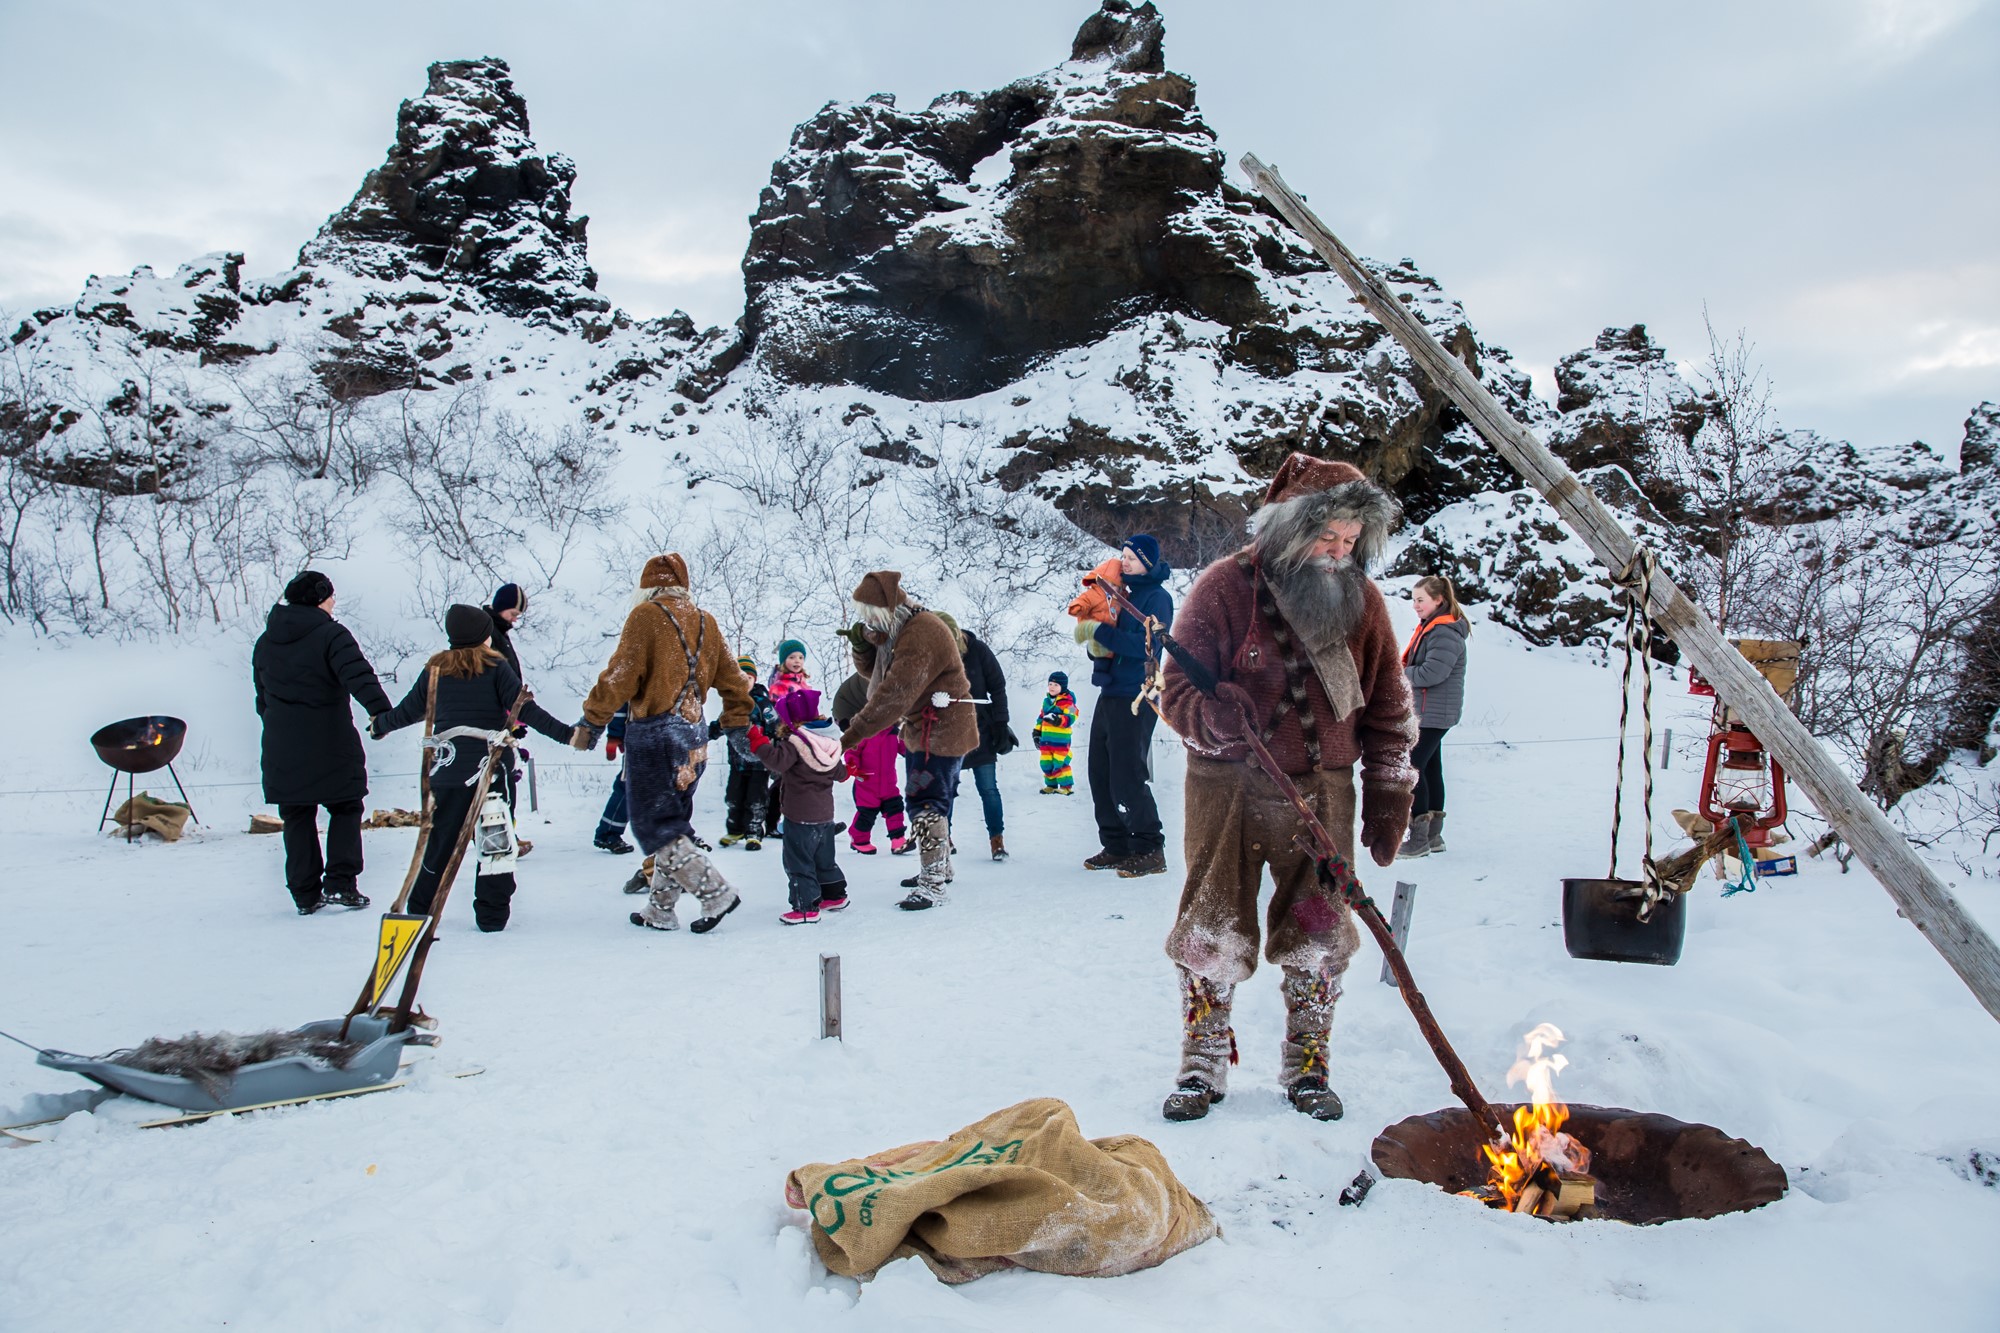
[(1060, 678), (1147, 547), (509, 597), (788, 647)]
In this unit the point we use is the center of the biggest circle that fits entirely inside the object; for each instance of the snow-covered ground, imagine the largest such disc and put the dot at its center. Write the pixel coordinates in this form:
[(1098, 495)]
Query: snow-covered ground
[(620, 1163)]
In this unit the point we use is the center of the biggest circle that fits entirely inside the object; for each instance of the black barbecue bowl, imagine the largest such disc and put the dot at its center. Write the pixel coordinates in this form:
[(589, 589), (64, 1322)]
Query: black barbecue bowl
[(1601, 921), (140, 744)]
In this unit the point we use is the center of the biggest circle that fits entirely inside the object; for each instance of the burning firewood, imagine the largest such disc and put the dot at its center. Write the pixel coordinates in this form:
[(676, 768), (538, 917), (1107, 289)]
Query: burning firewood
[(1538, 1169)]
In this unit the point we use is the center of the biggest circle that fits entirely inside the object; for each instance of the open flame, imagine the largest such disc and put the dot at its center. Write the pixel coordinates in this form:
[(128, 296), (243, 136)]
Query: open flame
[(1516, 1162)]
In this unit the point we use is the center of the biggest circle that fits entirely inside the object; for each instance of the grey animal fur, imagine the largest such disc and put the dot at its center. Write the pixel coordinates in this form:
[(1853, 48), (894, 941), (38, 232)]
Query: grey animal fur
[(1284, 532), (211, 1059)]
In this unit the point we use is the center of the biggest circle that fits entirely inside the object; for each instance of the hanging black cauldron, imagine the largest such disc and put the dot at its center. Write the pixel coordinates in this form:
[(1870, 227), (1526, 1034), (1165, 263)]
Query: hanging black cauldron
[(1605, 919), (139, 745)]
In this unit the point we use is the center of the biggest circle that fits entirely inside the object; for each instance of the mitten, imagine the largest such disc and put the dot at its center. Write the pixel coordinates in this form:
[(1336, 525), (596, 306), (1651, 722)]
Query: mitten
[(583, 736), (1037, 734), (1225, 714), (754, 738), (715, 730), (1385, 818), (854, 769), (378, 726), (612, 745)]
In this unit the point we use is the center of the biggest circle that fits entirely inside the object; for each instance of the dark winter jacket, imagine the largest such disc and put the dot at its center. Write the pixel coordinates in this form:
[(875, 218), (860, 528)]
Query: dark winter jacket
[(481, 701), (1123, 674), (762, 714), (810, 763), (503, 641), (304, 669), (1434, 664), (987, 681)]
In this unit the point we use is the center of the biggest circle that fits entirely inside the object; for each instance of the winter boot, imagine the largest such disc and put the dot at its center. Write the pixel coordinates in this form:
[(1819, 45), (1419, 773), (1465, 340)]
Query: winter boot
[(1418, 843), (898, 845), (349, 897), (613, 842), (999, 848), (309, 905), (1309, 999), (1190, 1100), (933, 839), (1208, 1047), (795, 917), (1134, 866), (702, 925), (1103, 860), (641, 881), (730, 839), (1437, 832), (833, 900), (685, 870), (861, 842)]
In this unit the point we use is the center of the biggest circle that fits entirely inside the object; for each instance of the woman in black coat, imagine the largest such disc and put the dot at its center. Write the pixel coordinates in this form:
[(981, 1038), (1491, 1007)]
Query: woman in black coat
[(304, 668), (476, 691), (988, 682)]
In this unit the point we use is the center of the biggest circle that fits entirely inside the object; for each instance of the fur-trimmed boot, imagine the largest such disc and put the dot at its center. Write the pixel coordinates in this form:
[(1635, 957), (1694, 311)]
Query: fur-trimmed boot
[(933, 838), (681, 868), (1437, 832), (1309, 1000), (1418, 841), (659, 914), (1208, 1048)]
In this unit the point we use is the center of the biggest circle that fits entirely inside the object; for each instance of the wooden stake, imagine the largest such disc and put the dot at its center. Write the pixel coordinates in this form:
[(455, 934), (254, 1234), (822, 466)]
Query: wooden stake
[(1916, 889), (1400, 910), (829, 996)]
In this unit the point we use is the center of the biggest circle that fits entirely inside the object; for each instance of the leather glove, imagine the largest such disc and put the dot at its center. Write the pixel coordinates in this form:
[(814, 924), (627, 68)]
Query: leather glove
[(612, 745), (752, 740), (583, 736), (1385, 818), (1224, 715)]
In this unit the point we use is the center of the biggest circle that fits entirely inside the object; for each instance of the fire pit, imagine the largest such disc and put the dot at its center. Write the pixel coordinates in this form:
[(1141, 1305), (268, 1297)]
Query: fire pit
[(1648, 1168), (139, 745)]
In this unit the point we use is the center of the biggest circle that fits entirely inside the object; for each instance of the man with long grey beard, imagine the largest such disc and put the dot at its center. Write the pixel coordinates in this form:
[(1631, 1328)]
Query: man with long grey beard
[(919, 685), (1299, 635)]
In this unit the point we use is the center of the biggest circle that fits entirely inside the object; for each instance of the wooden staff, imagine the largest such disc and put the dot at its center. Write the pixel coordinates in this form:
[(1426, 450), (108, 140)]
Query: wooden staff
[(1917, 890), (1335, 874)]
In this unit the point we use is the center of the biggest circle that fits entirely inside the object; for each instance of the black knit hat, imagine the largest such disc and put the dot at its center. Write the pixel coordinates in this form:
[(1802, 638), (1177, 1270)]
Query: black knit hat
[(465, 626), (509, 597), (310, 588)]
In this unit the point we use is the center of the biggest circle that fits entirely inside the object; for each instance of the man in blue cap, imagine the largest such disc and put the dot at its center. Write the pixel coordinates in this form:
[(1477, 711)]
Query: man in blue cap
[(1121, 726)]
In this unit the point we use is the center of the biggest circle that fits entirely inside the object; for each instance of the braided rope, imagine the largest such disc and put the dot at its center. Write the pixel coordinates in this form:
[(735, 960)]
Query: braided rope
[(1295, 699), (1636, 582)]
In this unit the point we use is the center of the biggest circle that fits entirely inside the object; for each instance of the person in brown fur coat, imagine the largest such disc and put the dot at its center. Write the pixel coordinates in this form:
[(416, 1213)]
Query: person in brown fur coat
[(670, 655), (1298, 633), (918, 683)]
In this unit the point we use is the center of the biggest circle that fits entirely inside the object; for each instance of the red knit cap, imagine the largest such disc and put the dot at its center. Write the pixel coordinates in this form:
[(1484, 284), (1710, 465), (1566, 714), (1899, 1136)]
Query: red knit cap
[(665, 571), (1302, 474)]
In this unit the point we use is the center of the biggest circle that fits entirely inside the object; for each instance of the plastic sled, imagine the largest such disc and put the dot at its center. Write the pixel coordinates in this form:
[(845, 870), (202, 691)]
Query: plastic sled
[(284, 1079)]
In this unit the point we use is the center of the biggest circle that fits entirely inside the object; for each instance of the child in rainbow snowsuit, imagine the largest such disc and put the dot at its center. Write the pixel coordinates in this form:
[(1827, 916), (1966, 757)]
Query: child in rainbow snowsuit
[(1052, 736)]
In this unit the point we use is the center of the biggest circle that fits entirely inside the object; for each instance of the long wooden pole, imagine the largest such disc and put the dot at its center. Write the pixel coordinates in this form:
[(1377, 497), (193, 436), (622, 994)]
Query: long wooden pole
[(1916, 889)]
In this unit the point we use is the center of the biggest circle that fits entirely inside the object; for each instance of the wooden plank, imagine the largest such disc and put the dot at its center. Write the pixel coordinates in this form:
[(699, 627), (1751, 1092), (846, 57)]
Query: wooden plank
[(1400, 911), (829, 996), (1916, 889)]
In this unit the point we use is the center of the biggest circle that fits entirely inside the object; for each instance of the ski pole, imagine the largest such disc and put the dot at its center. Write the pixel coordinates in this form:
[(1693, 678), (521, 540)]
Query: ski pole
[(1335, 874)]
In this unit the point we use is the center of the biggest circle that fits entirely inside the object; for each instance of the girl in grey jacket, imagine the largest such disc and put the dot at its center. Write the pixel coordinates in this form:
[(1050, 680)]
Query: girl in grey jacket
[(1434, 664)]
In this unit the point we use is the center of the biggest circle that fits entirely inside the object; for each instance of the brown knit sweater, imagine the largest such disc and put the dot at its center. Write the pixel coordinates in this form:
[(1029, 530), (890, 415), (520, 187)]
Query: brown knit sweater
[(1219, 623), (924, 662), (649, 667)]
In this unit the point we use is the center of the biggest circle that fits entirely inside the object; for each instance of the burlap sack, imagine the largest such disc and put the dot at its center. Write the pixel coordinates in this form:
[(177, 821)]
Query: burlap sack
[(1021, 1188), (166, 818)]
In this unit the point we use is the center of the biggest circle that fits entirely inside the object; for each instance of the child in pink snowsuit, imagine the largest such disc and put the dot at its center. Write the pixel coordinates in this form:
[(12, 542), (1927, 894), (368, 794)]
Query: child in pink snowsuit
[(877, 789)]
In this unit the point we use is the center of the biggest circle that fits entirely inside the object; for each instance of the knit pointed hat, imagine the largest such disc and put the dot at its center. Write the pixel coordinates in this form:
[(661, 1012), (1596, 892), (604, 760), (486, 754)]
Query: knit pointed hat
[(883, 588), (665, 571), (799, 707), (1302, 474)]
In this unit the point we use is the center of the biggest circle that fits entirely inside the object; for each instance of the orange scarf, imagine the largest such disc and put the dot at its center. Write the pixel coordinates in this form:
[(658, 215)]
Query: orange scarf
[(1417, 635)]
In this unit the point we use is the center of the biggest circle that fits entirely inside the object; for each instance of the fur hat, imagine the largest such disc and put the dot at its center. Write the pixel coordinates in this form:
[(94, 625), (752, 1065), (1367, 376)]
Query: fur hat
[(1308, 493), (509, 597), (1060, 678), (465, 626), (883, 588), (799, 707), (310, 588), (1147, 547), (665, 571), (788, 647)]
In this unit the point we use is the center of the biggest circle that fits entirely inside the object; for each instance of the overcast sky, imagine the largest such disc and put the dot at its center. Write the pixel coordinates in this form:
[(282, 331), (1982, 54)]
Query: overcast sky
[(1824, 174)]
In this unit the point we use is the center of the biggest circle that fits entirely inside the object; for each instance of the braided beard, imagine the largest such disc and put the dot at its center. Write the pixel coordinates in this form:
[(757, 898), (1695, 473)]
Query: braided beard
[(1323, 600)]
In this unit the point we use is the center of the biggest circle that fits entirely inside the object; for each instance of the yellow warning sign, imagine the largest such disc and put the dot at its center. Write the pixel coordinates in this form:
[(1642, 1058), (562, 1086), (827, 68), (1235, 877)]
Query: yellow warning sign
[(399, 934)]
